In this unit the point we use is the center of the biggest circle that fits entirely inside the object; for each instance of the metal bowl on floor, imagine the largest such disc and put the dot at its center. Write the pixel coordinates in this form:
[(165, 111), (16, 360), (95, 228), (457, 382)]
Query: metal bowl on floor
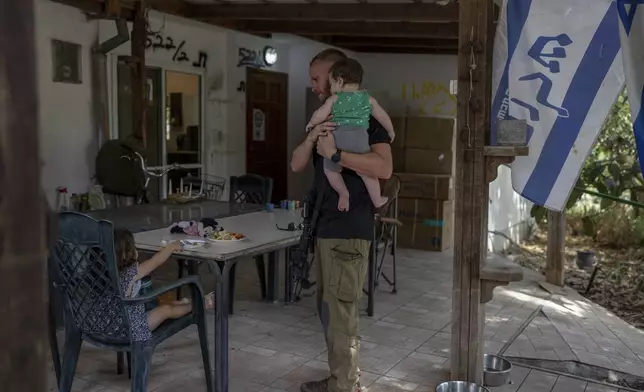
[(496, 370), (460, 386)]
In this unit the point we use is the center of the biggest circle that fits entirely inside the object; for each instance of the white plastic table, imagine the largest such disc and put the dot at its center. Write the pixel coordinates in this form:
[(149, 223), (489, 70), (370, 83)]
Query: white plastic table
[(262, 237)]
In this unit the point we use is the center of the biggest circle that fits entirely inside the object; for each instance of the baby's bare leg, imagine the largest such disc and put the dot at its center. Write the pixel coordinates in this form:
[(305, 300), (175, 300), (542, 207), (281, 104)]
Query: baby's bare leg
[(337, 183), (373, 187), (356, 140)]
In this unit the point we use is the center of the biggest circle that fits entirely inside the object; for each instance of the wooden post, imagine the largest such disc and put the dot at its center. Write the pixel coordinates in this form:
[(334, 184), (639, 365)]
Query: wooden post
[(100, 97), (556, 248), (471, 204), (23, 311), (139, 79)]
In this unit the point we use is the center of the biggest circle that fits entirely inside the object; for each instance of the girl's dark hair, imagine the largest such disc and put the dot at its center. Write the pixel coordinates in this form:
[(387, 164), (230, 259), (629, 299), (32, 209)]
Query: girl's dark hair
[(125, 248), (348, 69)]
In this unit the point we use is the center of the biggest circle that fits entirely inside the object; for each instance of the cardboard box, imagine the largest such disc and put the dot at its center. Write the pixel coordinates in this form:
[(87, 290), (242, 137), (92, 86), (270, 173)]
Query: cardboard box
[(429, 133), (426, 224), (414, 235), (426, 186), (428, 161), (425, 209), (400, 127), (398, 158)]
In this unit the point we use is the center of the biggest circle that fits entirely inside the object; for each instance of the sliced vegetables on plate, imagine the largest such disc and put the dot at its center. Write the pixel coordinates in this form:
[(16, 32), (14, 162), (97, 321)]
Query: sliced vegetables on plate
[(226, 236)]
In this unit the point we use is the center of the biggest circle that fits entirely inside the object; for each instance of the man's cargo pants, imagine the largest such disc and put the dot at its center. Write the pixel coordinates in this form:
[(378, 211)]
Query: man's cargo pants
[(341, 267)]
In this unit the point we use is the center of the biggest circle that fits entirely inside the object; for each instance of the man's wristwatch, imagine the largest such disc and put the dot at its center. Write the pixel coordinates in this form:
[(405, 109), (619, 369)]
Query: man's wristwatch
[(335, 158)]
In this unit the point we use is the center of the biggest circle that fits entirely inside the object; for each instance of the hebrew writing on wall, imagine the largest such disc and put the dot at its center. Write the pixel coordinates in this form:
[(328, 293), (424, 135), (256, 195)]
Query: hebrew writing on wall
[(428, 99)]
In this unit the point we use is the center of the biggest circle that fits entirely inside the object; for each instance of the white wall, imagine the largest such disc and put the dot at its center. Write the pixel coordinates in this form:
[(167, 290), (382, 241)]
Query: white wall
[(198, 37), (237, 99), (224, 106), (509, 212), (68, 137)]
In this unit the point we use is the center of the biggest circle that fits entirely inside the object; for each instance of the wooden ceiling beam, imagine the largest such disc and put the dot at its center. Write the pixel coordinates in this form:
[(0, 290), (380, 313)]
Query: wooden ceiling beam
[(402, 47), (358, 29), (402, 50), (96, 8), (410, 12), (174, 7), (93, 7), (390, 42)]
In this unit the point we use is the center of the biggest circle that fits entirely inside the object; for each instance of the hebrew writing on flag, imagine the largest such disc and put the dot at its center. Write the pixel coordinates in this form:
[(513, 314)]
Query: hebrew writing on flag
[(631, 19), (557, 64)]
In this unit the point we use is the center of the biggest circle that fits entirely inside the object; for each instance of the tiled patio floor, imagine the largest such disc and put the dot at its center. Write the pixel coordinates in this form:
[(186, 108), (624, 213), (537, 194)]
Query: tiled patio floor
[(405, 346)]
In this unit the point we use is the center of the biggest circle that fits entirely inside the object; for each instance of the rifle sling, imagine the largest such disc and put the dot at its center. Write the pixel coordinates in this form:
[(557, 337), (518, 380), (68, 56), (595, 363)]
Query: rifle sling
[(318, 206)]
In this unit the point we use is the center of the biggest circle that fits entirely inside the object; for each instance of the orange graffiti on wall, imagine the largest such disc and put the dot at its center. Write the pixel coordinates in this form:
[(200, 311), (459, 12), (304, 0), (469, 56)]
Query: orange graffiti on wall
[(430, 98)]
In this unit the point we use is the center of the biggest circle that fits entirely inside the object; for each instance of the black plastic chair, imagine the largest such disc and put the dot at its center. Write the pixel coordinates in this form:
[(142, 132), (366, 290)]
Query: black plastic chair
[(251, 189), (85, 274)]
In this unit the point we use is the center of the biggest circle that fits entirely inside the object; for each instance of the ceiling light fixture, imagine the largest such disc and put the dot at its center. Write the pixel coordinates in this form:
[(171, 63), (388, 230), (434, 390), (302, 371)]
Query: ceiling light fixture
[(270, 55)]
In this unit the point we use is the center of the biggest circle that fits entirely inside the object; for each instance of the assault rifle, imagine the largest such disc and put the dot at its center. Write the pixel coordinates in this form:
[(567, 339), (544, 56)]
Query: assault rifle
[(302, 256)]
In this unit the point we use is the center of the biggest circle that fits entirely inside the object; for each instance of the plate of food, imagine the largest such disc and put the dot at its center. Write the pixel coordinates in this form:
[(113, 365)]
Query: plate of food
[(192, 244), (226, 236)]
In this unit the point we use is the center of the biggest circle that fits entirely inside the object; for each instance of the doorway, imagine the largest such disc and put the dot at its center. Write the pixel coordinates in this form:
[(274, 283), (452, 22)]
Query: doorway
[(266, 128), (183, 131), (174, 131)]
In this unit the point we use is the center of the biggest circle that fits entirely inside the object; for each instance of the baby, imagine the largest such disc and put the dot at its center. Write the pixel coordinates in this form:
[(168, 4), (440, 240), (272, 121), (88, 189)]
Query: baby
[(351, 108)]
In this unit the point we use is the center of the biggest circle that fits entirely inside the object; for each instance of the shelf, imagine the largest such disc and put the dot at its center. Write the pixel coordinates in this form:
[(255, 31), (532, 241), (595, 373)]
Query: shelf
[(506, 151), (498, 271)]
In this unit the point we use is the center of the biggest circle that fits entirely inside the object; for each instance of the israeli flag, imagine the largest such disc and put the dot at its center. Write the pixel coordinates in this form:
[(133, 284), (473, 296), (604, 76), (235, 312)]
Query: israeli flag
[(631, 31), (557, 65)]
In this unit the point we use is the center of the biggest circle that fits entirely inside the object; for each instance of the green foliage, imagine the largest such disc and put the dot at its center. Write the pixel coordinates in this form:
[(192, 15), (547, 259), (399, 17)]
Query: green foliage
[(612, 168)]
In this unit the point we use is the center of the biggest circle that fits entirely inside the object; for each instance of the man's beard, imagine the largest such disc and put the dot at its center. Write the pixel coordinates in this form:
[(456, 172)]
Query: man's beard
[(326, 94)]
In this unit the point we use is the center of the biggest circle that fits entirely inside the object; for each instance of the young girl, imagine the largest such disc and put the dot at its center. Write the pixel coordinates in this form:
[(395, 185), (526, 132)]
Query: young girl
[(130, 274), (350, 108)]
